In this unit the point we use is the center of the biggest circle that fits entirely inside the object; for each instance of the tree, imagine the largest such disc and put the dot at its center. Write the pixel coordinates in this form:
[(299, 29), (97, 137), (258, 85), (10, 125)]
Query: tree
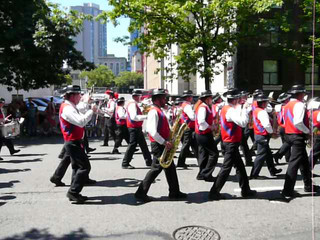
[(127, 79), (205, 30), (35, 42), (102, 76)]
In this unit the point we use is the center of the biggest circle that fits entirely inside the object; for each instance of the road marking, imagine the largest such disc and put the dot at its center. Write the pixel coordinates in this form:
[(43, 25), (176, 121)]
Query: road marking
[(261, 189)]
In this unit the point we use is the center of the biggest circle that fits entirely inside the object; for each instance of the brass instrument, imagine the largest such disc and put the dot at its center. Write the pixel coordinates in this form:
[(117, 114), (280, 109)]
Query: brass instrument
[(175, 136), (145, 108), (275, 126)]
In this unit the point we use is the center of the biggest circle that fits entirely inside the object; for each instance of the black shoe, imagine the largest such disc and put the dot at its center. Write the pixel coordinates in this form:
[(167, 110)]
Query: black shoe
[(90, 150), (275, 171), (276, 158), (84, 197), (90, 182), (115, 151), (248, 193), (142, 198), (287, 196), (149, 163), (15, 151), (313, 188), (75, 197), (210, 179), (127, 166), (1, 158), (200, 178), (215, 196), (178, 195), (57, 182), (105, 145)]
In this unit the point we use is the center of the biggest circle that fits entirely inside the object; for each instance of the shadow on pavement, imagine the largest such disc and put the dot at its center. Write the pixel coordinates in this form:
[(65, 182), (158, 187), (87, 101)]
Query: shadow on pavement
[(104, 158), (5, 199), (122, 182), (127, 199), (23, 161), (3, 170), (8, 184), (29, 155)]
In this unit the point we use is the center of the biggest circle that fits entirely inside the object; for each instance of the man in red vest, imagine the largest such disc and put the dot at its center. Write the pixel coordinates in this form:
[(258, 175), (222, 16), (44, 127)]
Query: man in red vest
[(315, 118), (188, 117), (72, 124), (135, 120), (159, 131), (109, 117), (207, 148), (262, 131), (232, 121), (296, 122), (122, 130)]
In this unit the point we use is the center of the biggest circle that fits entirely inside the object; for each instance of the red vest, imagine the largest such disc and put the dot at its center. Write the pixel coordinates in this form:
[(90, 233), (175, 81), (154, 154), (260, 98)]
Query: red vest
[(209, 120), (69, 131), (257, 126), (185, 118), (119, 121), (315, 122), (131, 123), (230, 132), (163, 125), (289, 126), (280, 117)]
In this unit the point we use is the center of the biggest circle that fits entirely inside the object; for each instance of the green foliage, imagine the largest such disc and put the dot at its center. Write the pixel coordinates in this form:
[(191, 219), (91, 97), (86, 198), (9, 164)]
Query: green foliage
[(35, 42), (206, 31), (102, 76), (127, 79)]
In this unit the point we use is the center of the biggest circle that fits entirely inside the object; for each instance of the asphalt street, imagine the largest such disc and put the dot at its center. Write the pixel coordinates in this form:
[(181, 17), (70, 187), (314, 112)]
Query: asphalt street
[(31, 207)]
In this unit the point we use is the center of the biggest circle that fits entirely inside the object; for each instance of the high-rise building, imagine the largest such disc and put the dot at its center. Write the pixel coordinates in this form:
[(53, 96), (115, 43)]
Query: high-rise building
[(92, 40)]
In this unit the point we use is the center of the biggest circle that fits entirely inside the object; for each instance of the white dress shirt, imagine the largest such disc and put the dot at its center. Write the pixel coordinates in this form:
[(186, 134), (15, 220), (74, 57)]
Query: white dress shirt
[(121, 111), (189, 111), (201, 118), (237, 115), (109, 110), (152, 126), (133, 112), (265, 120), (73, 116), (298, 116)]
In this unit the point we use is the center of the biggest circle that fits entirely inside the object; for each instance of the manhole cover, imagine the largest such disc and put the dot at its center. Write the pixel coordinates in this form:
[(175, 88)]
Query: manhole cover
[(195, 233)]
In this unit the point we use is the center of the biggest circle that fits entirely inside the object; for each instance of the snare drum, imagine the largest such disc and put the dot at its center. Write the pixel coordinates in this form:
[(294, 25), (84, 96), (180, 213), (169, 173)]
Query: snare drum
[(10, 130)]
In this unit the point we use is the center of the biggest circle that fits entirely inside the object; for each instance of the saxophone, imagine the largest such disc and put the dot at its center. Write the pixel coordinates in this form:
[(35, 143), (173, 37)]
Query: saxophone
[(175, 136)]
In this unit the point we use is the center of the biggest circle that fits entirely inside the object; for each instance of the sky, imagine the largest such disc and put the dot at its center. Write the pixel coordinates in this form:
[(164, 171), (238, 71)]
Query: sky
[(118, 49)]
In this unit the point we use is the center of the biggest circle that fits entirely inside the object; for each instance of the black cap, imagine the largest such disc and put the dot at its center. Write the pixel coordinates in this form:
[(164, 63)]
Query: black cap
[(121, 99), (178, 101), (283, 97), (72, 89), (206, 93), (297, 89), (2, 100), (257, 92), (136, 92), (244, 93), (261, 98), (232, 93), (159, 91), (187, 93), (216, 97)]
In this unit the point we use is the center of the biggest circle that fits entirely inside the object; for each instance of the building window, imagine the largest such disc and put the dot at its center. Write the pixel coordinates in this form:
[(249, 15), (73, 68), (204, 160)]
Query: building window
[(270, 38), (270, 72), (308, 75), (111, 66)]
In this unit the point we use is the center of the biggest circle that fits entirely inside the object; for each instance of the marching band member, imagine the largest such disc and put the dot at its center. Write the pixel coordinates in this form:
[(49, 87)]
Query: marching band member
[(122, 130), (159, 131), (4, 140), (110, 122), (188, 139), (315, 115), (207, 149), (72, 124), (296, 122), (232, 120), (262, 130), (284, 150), (217, 104), (134, 124)]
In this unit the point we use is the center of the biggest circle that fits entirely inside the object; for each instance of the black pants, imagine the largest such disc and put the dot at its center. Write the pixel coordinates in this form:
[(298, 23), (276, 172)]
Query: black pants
[(315, 152), (171, 173), (188, 140), (285, 149), (264, 154), (8, 143), (231, 158), (245, 148), (136, 137), (73, 152), (208, 155), (121, 133), (298, 159), (110, 128)]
